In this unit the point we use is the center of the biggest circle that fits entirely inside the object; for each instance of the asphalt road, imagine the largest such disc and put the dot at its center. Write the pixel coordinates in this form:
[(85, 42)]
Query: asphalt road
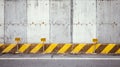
[(36, 60)]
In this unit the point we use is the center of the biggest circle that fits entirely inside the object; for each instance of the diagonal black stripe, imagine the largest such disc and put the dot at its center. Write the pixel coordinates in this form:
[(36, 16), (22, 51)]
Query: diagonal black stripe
[(100, 49), (114, 49), (85, 48), (13, 50), (3, 47)]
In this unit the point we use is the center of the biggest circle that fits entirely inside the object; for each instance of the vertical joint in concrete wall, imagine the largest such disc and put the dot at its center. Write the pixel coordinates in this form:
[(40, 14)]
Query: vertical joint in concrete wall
[(4, 21), (49, 24), (71, 20), (96, 19), (26, 20)]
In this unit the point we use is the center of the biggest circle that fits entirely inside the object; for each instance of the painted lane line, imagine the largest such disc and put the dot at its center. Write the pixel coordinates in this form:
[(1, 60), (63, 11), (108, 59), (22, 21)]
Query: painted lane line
[(59, 58)]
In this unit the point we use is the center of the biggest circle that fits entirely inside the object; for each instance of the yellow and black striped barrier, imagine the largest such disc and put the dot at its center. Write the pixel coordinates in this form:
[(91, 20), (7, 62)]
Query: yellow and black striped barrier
[(61, 48)]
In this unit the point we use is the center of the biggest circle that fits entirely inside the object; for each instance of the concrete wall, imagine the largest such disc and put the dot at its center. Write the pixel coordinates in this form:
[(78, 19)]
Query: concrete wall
[(108, 22), (38, 20), (1, 21), (15, 20), (84, 21), (60, 21)]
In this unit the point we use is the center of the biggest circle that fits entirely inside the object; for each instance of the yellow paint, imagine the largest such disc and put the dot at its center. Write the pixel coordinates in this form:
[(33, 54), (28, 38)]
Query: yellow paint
[(97, 46), (107, 48), (118, 51), (64, 48), (43, 39), (50, 48), (9, 48), (92, 48), (78, 48), (95, 40), (23, 48), (1, 45), (17, 39), (36, 48)]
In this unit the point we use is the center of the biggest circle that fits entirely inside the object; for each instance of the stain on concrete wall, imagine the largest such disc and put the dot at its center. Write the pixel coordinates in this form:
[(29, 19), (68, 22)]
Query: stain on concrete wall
[(1, 21), (108, 22), (15, 20), (38, 20), (60, 24), (84, 21)]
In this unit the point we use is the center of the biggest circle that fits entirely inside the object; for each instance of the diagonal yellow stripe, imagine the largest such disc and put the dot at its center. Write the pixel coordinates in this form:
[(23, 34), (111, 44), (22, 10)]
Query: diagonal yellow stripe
[(118, 51), (107, 48), (97, 46), (23, 48), (1, 45), (92, 48), (50, 48), (64, 48), (36, 48), (9, 48), (78, 48)]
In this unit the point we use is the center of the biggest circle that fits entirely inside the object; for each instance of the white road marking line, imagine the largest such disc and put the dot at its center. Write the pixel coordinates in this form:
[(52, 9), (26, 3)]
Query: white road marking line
[(59, 58)]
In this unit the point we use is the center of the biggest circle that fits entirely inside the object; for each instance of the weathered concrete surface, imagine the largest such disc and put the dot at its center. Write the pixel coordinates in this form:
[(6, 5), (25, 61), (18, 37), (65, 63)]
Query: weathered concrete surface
[(1, 21), (15, 20), (55, 61), (60, 12), (55, 21), (59, 63), (38, 20), (84, 21), (108, 22)]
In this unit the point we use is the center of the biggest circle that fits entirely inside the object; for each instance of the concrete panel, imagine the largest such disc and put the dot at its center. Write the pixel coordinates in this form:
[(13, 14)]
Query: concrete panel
[(60, 24), (1, 21), (108, 11), (84, 21), (38, 20), (109, 33), (15, 20), (84, 33), (108, 21)]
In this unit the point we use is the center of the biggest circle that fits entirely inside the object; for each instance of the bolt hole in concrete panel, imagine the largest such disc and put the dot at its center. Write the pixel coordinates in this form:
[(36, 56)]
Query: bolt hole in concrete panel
[(60, 12), (84, 15), (15, 13), (38, 20), (1, 21), (108, 14)]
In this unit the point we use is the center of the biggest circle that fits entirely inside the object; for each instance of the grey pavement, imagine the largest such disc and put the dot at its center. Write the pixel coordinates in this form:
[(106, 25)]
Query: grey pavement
[(39, 60)]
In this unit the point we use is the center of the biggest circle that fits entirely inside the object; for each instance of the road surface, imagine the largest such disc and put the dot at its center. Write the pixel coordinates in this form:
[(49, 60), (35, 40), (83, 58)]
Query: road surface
[(37, 60)]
